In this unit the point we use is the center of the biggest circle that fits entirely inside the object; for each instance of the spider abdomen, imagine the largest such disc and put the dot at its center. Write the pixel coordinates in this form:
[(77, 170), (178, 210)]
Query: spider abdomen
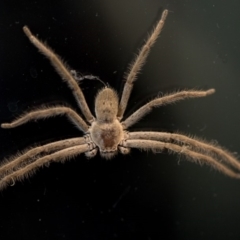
[(107, 137)]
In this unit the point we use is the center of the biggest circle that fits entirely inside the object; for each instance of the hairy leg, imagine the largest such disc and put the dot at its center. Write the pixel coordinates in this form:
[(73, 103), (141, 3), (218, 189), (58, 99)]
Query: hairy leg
[(196, 157), (49, 112), (63, 71), (137, 64), (167, 99), (28, 170), (197, 145), (30, 155)]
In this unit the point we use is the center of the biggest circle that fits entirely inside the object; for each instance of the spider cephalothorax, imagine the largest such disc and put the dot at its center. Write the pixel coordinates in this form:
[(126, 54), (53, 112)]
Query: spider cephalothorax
[(106, 132)]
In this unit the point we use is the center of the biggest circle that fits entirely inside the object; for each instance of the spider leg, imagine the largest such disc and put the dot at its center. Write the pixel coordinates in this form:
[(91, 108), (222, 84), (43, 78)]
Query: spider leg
[(27, 170), (138, 62), (200, 146), (191, 155), (63, 71), (167, 99), (30, 155), (49, 112)]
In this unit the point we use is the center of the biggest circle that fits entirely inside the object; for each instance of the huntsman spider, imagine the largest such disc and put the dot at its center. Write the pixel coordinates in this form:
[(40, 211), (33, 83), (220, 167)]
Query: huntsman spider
[(106, 132)]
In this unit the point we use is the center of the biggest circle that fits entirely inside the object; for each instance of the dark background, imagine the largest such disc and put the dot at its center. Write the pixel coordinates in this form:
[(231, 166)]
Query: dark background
[(141, 195)]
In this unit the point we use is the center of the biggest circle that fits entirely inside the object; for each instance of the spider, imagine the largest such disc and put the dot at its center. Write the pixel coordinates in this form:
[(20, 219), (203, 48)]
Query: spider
[(106, 132)]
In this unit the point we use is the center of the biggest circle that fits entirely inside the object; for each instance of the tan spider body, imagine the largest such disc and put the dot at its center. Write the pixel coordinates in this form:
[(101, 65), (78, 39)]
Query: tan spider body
[(106, 131)]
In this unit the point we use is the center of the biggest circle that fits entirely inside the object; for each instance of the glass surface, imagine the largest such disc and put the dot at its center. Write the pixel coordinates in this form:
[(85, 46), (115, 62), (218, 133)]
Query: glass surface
[(141, 195)]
